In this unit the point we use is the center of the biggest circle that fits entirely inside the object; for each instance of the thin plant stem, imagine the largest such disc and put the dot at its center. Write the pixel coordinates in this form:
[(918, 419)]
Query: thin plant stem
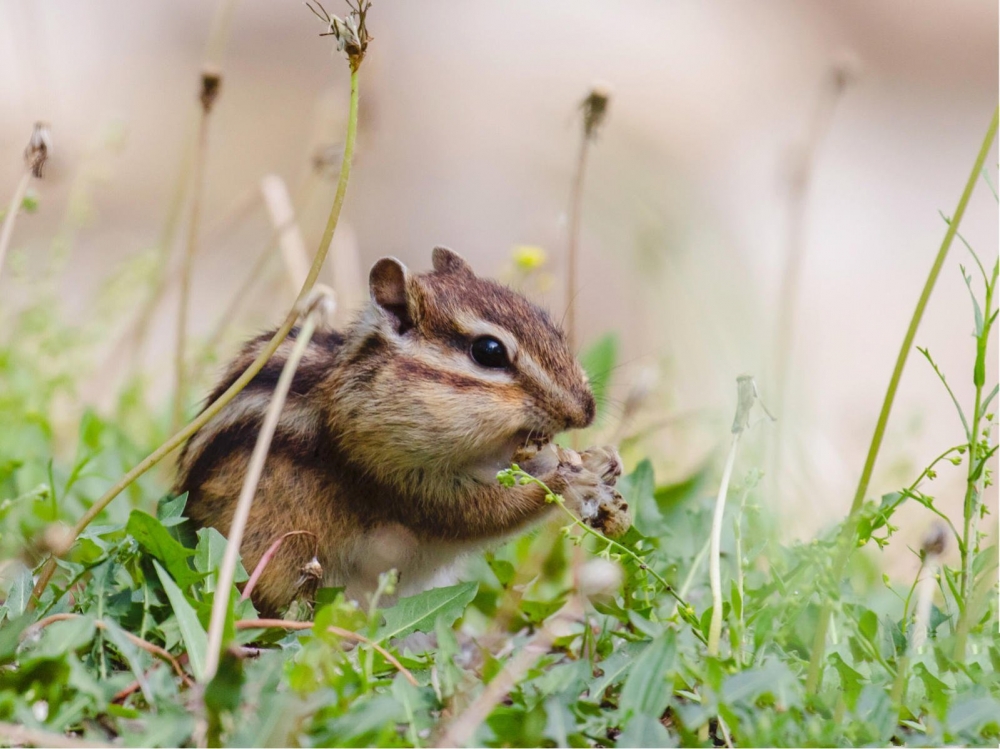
[(849, 529), (339, 631), (12, 210), (695, 568), (975, 469), (573, 243), (269, 555), (523, 477), (15, 734), (187, 262), (714, 571), (135, 640), (738, 539), (804, 160), (595, 109), (234, 538), (526, 478), (215, 46), (251, 371)]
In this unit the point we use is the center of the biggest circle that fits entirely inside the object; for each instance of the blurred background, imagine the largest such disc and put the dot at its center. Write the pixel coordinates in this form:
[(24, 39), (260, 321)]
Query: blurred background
[(738, 136)]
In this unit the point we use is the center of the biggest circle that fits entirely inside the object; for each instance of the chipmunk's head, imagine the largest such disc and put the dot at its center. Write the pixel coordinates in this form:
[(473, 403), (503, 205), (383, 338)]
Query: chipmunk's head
[(463, 370)]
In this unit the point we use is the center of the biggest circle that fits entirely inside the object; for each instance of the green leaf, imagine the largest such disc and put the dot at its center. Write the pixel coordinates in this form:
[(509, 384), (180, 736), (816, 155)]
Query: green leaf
[(419, 613), (746, 687), (131, 653), (868, 625), (969, 716), (538, 611), (156, 540), (637, 489), (19, 593), (559, 721), (851, 681), (975, 303), (195, 639), (208, 557), (222, 695), (616, 667), (64, 637), (170, 510), (646, 690), (735, 597), (645, 730), (938, 692), (672, 497), (364, 721), (503, 569)]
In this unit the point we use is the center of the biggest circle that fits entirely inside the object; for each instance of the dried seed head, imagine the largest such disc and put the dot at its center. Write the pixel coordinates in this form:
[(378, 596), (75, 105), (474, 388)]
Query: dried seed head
[(37, 152), (595, 108), (310, 575), (211, 82), (312, 569), (351, 32), (935, 541), (747, 395)]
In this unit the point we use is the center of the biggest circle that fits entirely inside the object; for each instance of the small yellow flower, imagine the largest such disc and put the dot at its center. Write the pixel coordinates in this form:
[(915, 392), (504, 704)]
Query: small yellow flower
[(529, 257)]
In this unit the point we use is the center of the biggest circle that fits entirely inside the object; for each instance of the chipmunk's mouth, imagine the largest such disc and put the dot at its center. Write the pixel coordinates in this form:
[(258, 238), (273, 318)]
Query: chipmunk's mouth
[(522, 445), (527, 438)]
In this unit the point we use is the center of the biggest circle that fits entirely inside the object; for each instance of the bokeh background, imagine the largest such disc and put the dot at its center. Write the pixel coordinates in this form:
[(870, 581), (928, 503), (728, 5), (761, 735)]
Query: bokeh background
[(725, 129)]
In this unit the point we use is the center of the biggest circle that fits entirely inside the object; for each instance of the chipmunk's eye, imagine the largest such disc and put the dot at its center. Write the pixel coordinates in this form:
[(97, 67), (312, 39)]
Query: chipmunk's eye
[(487, 351)]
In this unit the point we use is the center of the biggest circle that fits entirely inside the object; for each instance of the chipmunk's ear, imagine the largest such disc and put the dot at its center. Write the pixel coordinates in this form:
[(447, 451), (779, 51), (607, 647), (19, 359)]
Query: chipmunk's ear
[(387, 282), (447, 261)]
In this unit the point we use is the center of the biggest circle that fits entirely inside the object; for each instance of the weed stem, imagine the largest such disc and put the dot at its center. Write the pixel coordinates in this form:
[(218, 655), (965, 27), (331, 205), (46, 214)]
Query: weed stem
[(714, 571), (849, 528), (187, 262), (227, 570), (12, 210)]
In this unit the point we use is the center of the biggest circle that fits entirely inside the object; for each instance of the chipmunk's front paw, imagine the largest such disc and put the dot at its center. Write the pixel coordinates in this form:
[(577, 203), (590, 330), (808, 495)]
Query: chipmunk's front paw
[(590, 491)]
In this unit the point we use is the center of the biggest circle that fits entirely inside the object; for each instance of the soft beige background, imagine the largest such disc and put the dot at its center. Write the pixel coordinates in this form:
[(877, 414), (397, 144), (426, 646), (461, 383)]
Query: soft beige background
[(468, 138)]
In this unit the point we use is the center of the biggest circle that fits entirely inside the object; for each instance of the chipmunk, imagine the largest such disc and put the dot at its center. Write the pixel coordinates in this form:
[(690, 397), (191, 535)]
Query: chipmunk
[(389, 444)]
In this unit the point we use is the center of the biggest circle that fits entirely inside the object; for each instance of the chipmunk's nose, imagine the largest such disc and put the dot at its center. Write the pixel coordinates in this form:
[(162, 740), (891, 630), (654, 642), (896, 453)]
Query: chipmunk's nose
[(583, 414)]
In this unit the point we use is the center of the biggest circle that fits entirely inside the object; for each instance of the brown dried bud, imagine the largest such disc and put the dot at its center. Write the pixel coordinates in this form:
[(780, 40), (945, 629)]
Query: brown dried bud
[(211, 83), (310, 575), (595, 108), (37, 151)]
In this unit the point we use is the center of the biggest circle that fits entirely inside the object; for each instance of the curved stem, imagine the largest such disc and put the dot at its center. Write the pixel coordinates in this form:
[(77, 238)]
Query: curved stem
[(234, 539), (187, 262), (714, 572), (12, 210), (280, 334), (339, 631), (849, 529), (573, 247)]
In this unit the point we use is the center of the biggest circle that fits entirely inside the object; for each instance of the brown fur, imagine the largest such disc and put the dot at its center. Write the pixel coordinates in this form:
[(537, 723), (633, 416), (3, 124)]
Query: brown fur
[(390, 439)]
